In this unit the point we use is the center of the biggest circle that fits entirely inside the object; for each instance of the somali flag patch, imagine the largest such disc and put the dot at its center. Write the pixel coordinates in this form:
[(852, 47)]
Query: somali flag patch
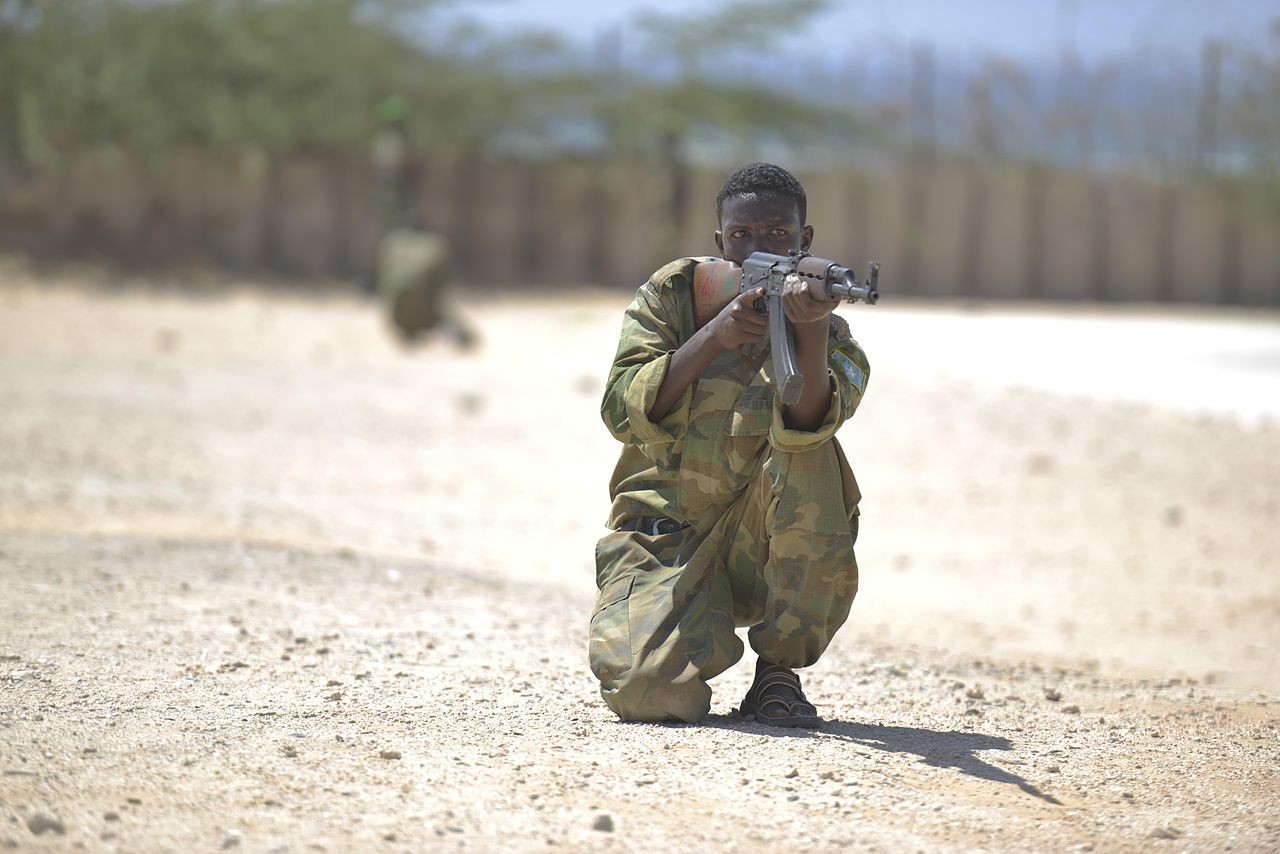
[(851, 371)]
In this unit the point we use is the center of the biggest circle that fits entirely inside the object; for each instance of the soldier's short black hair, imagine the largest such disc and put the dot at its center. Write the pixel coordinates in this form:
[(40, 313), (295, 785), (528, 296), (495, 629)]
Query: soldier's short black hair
[(763, 178)]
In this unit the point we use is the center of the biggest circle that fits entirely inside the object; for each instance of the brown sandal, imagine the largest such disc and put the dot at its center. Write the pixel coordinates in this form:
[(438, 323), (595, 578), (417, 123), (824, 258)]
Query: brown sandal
[(776, 699)]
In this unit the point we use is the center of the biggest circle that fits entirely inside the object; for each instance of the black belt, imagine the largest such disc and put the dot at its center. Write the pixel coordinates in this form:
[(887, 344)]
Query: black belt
[(653, 526)]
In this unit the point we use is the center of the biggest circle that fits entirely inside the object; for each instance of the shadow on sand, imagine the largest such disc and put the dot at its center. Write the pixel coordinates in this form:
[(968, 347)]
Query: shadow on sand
[(939, 749)]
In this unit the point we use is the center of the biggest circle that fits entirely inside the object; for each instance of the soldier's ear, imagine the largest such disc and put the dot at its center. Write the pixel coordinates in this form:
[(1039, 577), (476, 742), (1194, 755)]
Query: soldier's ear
[(806, 237), (720, 242)]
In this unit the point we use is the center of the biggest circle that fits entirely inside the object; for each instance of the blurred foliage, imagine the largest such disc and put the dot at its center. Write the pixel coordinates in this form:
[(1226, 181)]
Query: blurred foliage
[(1258, 111), (222, 74), (701, 100), (150, 77)]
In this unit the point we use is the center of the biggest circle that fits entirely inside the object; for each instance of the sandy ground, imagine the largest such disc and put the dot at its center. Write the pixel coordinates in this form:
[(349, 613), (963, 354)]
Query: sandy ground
[(273, 582)]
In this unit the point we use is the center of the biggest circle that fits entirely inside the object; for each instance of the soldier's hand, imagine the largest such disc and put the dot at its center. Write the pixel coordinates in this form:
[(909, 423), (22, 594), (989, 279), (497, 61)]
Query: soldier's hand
[(802, 304), (739, 323)]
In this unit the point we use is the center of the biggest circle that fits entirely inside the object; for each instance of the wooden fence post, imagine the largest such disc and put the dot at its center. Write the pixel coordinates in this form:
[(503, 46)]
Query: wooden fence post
[(1099, 240), (1037, 194)]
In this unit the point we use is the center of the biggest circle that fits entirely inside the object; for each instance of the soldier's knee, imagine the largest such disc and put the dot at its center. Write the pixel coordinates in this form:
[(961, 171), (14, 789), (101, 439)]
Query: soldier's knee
[(636, 696)]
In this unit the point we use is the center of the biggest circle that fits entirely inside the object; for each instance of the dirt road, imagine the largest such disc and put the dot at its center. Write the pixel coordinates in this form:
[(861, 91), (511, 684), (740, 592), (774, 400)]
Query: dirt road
[(272, 582)]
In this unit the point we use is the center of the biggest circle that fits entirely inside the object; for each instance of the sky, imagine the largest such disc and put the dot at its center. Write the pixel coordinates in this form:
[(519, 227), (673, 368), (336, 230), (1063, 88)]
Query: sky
[(1024, 30)]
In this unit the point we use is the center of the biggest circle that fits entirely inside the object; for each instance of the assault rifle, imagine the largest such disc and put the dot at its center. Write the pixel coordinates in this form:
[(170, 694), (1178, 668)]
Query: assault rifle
[(716, 283)]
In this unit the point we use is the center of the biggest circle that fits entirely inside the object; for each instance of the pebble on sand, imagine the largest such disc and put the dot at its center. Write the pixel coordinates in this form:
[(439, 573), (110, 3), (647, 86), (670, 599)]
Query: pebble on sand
[(1072, 709), (603, 823), (792, 774), (1053, 695), (39, 823), (389, 754)]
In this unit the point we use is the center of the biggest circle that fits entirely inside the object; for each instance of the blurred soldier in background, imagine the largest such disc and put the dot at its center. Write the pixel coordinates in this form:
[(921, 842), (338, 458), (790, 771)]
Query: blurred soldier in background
[(411, 265)]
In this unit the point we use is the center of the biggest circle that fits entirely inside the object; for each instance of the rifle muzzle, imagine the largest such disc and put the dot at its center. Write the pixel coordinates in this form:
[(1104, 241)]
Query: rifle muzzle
[(852, 290)]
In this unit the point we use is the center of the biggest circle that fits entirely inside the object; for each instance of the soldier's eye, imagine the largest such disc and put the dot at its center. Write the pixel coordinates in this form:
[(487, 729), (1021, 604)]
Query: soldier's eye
[(779, 232), (738, 234)]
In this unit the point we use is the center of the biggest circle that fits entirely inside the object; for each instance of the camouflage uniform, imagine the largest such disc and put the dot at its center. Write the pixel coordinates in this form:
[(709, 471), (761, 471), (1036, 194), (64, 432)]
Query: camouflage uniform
[(759, 520), (411, 265), (412, 274)]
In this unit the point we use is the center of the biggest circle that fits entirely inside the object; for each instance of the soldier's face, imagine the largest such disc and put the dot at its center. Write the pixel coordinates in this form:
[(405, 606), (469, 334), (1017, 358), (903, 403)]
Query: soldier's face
[(760, 223)]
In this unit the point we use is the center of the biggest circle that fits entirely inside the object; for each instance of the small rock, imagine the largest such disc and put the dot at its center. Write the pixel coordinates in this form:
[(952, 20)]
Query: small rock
[(134, 801), (232, 838), (603, 823), (973, 713), (336, 695), (1053, 695), (39, 823), (290, 751), (792, 774), (975, 693), (1040, 464), (389, 754), (1164, 833), (793, 797), (167, 340), (111, 815), (332, 683), (1072, 709), (1054, 769)]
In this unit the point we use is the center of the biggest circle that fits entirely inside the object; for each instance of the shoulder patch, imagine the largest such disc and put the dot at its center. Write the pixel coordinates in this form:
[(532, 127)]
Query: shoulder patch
[(681, 268), (851, 371)]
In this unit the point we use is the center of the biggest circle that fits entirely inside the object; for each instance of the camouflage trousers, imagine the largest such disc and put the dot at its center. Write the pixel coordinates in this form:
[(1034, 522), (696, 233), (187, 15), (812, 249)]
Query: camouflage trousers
[(780, 560)]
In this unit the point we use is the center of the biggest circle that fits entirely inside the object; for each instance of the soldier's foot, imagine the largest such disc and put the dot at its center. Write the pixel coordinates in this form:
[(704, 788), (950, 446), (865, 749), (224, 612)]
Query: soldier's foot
[(776, 699)]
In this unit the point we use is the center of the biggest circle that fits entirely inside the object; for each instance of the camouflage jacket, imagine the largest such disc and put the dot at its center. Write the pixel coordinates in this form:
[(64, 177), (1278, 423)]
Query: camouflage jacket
[(694, 462)]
